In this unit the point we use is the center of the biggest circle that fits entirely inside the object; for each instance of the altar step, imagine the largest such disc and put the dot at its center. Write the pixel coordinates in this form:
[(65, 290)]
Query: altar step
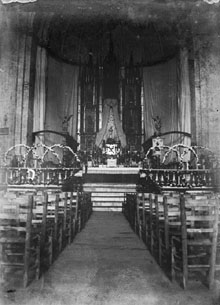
[(108, 196)]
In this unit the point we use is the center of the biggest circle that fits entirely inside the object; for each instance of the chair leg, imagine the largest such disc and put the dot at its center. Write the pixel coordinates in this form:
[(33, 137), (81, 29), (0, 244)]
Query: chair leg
[(25, 282), (173, 250), (159, 249), (50, 241), (38, 260), (151, 242), (185, 263), (185, 280), (60, 239), (140, 231), (212, 262)]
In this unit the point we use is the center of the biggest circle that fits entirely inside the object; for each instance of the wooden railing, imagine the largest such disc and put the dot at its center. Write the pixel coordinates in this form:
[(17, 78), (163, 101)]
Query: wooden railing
[(38, 176), (156, 180)]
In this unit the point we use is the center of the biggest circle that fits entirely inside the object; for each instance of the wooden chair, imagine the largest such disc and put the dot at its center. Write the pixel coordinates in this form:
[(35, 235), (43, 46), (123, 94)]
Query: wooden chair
[(156, 222), (143, 211), (47, 225), (194, 251), (85, 209), (169, 226), (151, 222), (72, 216), (55, 216), (139, 216), (147, 218), (20, 243), (125, 207), (130, 209), (65, 209)]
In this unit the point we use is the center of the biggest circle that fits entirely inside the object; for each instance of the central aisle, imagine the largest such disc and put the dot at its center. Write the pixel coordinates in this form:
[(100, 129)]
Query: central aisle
[(108, 265)]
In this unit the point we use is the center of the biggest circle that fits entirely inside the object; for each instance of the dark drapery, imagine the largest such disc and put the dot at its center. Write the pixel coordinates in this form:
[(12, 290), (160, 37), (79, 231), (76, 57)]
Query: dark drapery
[(167, 95), (61, 99)]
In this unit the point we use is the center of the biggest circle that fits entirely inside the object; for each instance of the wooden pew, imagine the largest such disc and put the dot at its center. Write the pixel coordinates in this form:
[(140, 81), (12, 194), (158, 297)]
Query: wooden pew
[(194, 251)]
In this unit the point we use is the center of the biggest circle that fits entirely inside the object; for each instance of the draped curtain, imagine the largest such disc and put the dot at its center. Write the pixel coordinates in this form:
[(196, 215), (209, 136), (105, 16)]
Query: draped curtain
[(167, 95), (62, 95), (184, 98), (40, 93)]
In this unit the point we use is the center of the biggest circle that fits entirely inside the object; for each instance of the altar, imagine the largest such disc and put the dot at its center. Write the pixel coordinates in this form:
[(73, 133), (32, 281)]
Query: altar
[(111, 151), (111, 162), (108, 174), (111, 138)]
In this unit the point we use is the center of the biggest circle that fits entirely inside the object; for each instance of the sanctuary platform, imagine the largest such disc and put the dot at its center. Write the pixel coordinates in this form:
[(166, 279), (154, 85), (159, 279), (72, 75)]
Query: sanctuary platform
[(108, 186), (104, 174)]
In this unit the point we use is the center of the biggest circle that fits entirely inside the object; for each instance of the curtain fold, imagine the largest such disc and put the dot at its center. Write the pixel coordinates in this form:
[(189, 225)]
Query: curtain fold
[(167, 95), (40, 93), (185, 98), (160, 98), (62, 95)]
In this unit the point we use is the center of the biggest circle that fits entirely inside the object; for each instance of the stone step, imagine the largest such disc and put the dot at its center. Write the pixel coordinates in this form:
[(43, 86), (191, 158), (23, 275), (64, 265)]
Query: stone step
[(113, 170), (111, 185), (108, 190), (109, 194), (106, 204), (107, 199), (107, 209)]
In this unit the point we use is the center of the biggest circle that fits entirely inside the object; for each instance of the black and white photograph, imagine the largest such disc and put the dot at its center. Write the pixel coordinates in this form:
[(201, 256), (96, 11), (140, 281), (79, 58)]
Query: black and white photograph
[(109, 152)]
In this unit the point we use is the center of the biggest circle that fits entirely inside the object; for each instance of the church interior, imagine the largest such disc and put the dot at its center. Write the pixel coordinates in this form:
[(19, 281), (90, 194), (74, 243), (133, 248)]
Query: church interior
[(110, 108)]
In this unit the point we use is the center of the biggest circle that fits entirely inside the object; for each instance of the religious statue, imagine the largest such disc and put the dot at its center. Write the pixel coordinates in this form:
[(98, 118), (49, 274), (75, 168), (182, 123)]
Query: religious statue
[(65, 122), (157, 125), (111, 129), (5, 120), (110, 132)]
